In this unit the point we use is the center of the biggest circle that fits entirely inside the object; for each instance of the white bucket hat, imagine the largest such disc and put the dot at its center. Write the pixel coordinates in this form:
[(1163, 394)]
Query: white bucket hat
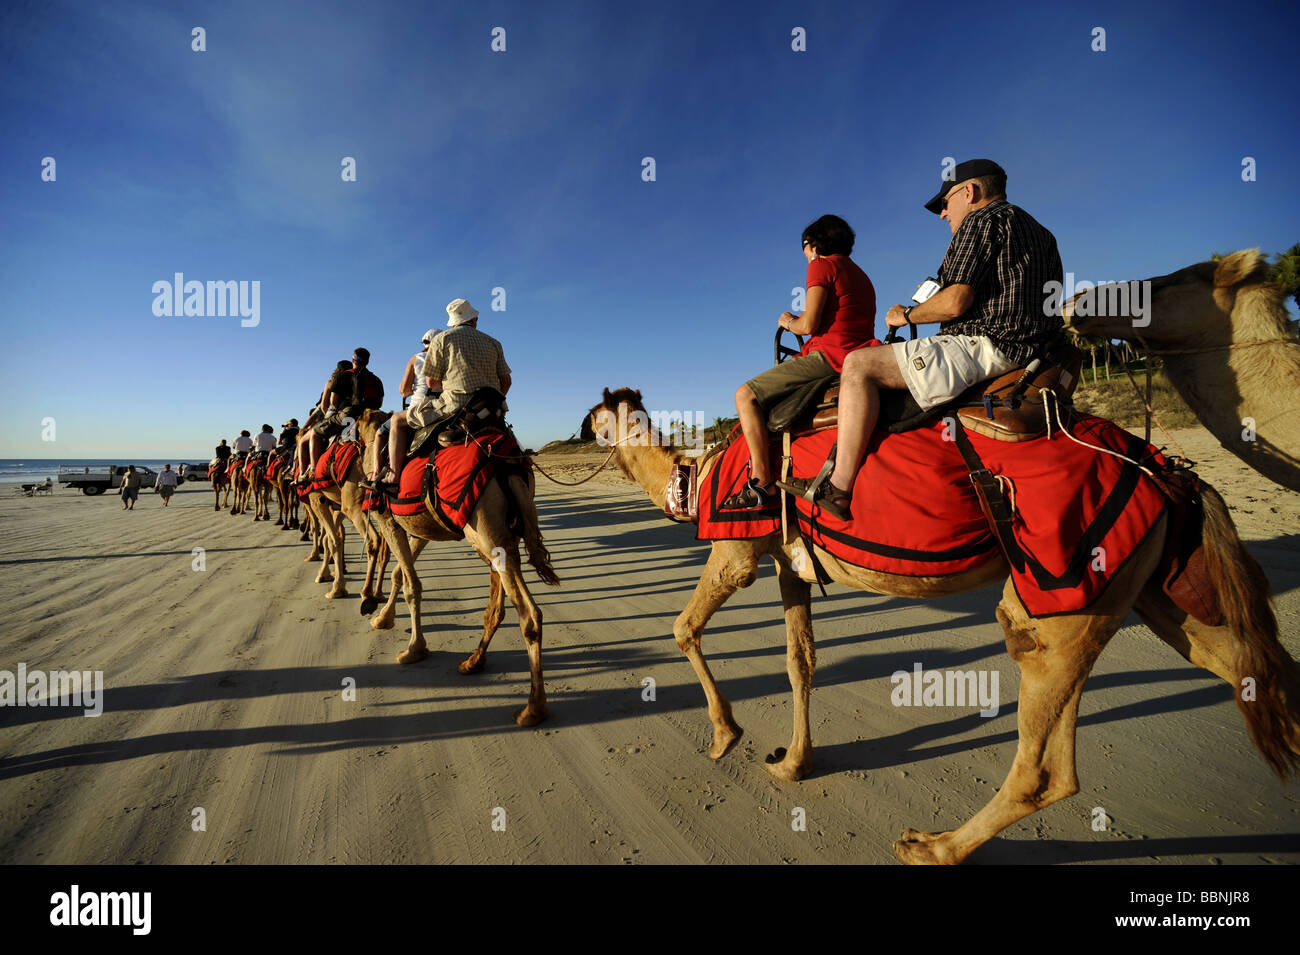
[(428, 336), (460, 312)]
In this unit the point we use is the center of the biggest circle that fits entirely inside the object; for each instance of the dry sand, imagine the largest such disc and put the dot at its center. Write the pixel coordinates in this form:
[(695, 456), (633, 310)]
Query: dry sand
[(224, 691)]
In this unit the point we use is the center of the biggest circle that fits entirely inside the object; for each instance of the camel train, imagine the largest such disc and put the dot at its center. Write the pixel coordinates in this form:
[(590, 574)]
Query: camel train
[(1221, 328)]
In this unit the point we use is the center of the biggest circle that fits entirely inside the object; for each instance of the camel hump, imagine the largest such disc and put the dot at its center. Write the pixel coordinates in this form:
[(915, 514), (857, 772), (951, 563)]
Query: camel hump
[(1246, 265)]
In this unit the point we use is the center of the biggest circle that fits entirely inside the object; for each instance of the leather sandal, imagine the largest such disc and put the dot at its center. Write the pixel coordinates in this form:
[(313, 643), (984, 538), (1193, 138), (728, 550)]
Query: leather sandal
[(825, 495), (751, 497)]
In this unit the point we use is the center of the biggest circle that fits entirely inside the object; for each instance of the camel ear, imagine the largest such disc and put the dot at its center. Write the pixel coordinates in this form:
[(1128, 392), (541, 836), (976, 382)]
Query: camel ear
[(607, 395), (638, 394), (1239, 267)]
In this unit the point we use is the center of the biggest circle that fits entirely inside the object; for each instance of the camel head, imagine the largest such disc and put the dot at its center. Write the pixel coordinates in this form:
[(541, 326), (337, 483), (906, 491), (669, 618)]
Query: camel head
[(368, 424), (607, 421), (1206, 303)]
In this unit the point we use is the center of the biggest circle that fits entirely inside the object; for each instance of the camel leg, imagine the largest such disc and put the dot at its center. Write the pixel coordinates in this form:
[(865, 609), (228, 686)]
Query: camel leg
[(732, 565), (1055, 655), (492, 617), (386, 617), (1272, 712), (800, 662), (331, 525), (399, 543), (530, 615), (372, 589)]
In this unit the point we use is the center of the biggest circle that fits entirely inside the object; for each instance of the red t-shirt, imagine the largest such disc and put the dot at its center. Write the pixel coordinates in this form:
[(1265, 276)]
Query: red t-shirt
[(848, 318)]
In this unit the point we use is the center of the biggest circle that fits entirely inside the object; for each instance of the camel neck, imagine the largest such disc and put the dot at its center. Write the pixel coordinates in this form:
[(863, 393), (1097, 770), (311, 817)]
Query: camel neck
[(649, 466)]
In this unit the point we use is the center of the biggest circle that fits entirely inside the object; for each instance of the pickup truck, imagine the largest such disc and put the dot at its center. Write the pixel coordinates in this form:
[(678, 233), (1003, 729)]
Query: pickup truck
[(100, 479)]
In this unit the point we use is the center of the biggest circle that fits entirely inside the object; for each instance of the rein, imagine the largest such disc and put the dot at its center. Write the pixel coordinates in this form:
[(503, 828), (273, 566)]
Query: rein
[(1148, 351)]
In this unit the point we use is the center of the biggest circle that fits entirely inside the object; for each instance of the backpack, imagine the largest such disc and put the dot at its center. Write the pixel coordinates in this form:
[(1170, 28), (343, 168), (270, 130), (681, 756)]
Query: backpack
[(368, 389)]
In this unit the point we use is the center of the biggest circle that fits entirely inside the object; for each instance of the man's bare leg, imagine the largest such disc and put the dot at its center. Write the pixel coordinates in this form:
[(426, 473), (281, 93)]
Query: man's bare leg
[(865, 372), (313, 450), (399, 435), (753, 423)]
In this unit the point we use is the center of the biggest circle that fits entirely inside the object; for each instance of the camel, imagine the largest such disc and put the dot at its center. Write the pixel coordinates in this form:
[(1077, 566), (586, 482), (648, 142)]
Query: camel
[(488, 532), (286, 501), (242, 490), (220, 482), (1055, 653), (1221, 329), (259, 488), (329, 505)]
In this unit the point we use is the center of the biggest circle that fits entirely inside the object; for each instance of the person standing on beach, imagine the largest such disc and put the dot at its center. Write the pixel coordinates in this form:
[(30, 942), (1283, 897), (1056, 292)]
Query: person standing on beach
[(130, 488), (166, 483)]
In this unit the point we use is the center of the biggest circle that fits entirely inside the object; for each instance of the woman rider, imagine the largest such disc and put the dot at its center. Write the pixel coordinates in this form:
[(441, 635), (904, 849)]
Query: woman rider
[(839, 314)]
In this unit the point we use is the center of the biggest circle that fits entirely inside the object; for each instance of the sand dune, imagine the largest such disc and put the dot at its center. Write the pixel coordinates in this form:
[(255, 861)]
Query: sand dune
[(224, 690)]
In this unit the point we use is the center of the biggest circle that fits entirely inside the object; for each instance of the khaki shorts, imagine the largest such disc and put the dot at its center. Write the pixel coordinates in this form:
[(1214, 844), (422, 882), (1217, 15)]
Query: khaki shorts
[(780, 380), (940, 368), (424, 413)]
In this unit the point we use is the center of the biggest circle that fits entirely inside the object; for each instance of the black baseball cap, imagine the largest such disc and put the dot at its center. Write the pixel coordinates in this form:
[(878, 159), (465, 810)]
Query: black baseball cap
[(970, 169)]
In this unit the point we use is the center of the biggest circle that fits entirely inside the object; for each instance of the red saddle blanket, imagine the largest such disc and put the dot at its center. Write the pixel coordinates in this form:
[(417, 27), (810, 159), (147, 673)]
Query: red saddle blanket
[(248, 468), (212, 470), (276, 465), (233, 469), (301, 490), (333, 464), (1079, 513), (459, 475)]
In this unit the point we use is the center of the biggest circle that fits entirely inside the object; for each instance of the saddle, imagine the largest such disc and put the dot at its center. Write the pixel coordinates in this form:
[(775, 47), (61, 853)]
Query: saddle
[(1008, 407), (484, 411)]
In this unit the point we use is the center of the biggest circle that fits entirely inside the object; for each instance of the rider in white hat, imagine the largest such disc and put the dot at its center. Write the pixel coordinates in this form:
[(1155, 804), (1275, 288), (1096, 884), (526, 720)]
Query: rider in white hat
[(461, 360)]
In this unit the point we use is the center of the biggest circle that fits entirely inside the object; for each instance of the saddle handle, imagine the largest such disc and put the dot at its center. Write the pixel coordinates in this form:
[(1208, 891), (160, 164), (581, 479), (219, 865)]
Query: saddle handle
[(781, 352), (893, 335)]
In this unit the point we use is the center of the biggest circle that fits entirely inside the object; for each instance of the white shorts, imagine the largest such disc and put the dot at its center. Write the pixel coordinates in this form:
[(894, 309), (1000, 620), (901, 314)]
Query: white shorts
[(939, 368)]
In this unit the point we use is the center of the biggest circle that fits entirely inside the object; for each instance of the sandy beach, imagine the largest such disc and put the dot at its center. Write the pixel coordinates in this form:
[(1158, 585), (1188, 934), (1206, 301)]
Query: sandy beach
[(224, 690)]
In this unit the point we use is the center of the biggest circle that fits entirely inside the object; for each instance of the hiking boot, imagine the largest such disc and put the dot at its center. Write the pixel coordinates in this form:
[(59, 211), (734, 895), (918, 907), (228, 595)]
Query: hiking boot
[(752, 497), (827, 496)]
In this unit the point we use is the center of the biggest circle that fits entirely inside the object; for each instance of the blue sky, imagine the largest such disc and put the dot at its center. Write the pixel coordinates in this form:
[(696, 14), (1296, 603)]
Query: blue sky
[(522, 170)]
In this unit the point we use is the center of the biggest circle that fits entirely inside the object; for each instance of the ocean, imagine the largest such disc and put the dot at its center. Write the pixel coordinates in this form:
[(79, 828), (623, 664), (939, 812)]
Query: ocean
[(31, 470)]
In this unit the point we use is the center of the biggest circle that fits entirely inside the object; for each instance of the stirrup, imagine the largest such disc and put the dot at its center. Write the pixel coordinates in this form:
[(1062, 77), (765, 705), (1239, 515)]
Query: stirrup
[(751, 497), (821, 492)]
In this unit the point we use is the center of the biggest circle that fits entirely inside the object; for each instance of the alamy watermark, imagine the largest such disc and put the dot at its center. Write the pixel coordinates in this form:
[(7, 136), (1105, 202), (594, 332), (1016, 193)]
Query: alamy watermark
[(645, 428), (946, 688), (208, 300), (83, 688), (1131, 300)]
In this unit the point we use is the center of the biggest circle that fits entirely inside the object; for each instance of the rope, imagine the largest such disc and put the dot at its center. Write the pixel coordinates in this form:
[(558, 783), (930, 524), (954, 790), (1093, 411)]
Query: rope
[(1066, 431), (1200, 351), (1146, 401), (584, 480)]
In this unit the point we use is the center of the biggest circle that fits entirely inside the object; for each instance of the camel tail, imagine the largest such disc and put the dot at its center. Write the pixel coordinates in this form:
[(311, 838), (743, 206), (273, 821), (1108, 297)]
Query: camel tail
[(538, 556), (1271, 705)]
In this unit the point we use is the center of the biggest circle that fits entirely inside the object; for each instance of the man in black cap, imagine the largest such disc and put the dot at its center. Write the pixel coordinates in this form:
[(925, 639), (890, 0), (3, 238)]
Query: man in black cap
[(993, 283)]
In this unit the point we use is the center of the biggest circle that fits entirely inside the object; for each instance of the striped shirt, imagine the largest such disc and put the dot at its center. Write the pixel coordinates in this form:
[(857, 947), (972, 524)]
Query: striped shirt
[(1007, 258)]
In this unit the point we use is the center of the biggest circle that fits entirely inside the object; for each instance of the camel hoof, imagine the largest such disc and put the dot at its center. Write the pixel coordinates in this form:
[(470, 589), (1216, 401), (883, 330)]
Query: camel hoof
[(527, 716), (923, 848), (412, 656), (724, 740), (781, 766), (380, 622), (332, 593), (368, 606), (474, 663)]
